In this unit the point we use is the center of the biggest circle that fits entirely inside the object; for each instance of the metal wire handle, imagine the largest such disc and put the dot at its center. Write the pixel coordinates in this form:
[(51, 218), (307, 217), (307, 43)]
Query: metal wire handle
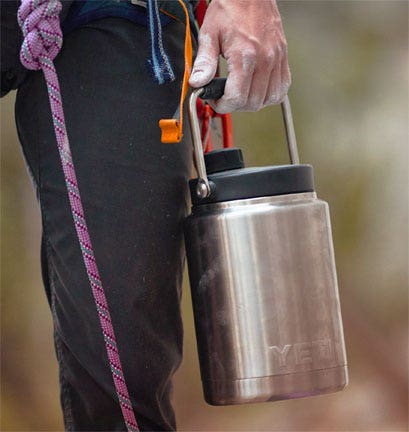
[(289, 131), (203, 187)]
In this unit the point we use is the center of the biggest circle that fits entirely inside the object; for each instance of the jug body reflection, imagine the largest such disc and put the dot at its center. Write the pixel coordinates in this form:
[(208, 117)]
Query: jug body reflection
[(263, 278), (265, 299)]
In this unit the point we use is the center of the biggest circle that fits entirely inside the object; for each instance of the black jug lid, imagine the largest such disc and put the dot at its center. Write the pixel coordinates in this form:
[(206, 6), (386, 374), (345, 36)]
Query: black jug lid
[(230, 180), (223, 160)]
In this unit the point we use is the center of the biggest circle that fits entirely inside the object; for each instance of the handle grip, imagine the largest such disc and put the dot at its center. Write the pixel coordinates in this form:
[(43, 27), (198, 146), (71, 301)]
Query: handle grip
[(214, 90)]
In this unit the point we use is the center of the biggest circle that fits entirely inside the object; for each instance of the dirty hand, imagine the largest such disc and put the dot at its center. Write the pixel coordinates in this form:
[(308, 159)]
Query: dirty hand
[(250, 36)]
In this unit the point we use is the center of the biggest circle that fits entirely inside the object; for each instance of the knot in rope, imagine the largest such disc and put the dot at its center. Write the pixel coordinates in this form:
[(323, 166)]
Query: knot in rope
[(40, 24)]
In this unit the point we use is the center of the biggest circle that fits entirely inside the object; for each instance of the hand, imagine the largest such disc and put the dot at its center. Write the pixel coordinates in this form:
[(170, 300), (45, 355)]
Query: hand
[(250, 36)]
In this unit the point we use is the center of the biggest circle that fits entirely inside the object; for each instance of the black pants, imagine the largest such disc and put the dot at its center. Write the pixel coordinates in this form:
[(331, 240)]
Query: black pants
[(134, 192)]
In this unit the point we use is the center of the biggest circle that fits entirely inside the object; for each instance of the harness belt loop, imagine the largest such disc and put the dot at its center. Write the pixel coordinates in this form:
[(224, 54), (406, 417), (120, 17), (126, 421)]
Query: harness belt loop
[(159, 63)]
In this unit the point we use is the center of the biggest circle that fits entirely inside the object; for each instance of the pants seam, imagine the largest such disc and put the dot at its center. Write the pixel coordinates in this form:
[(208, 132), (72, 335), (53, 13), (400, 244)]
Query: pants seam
[(66, 402), (65, 397)]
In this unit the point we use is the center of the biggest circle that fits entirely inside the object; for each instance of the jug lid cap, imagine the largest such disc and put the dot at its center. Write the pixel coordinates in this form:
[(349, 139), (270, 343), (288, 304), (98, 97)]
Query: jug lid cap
[(223, 160), (236, 182)]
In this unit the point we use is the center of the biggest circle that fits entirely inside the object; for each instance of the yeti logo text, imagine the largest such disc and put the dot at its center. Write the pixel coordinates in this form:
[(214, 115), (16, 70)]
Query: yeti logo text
[(303, 352)]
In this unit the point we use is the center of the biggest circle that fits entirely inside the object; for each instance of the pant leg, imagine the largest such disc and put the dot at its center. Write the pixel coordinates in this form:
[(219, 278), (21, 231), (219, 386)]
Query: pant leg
[(134, 192)]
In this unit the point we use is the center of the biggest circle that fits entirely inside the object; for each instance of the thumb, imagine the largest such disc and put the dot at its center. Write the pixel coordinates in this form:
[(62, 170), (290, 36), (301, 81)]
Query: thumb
[(207, 60)]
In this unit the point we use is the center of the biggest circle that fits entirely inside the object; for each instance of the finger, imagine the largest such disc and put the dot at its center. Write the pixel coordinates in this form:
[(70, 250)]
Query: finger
[(241, 68), (273, 93), (285, 78), (207, 59), (258, 90), (261, 79)]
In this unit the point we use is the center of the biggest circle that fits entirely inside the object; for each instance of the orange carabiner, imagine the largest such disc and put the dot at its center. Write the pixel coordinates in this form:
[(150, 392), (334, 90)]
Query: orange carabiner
[(172, 129)]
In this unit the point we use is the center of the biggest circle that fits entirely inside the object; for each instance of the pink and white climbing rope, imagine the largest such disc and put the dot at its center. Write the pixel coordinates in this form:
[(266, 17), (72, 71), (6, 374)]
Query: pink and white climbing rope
[(39, 21)]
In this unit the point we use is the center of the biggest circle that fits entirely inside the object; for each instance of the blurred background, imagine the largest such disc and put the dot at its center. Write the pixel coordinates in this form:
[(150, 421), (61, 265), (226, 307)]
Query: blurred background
[(349, 64)]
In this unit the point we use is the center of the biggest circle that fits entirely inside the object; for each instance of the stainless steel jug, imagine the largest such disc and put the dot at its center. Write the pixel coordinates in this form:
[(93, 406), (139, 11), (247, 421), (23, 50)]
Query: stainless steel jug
[(263, 280)]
